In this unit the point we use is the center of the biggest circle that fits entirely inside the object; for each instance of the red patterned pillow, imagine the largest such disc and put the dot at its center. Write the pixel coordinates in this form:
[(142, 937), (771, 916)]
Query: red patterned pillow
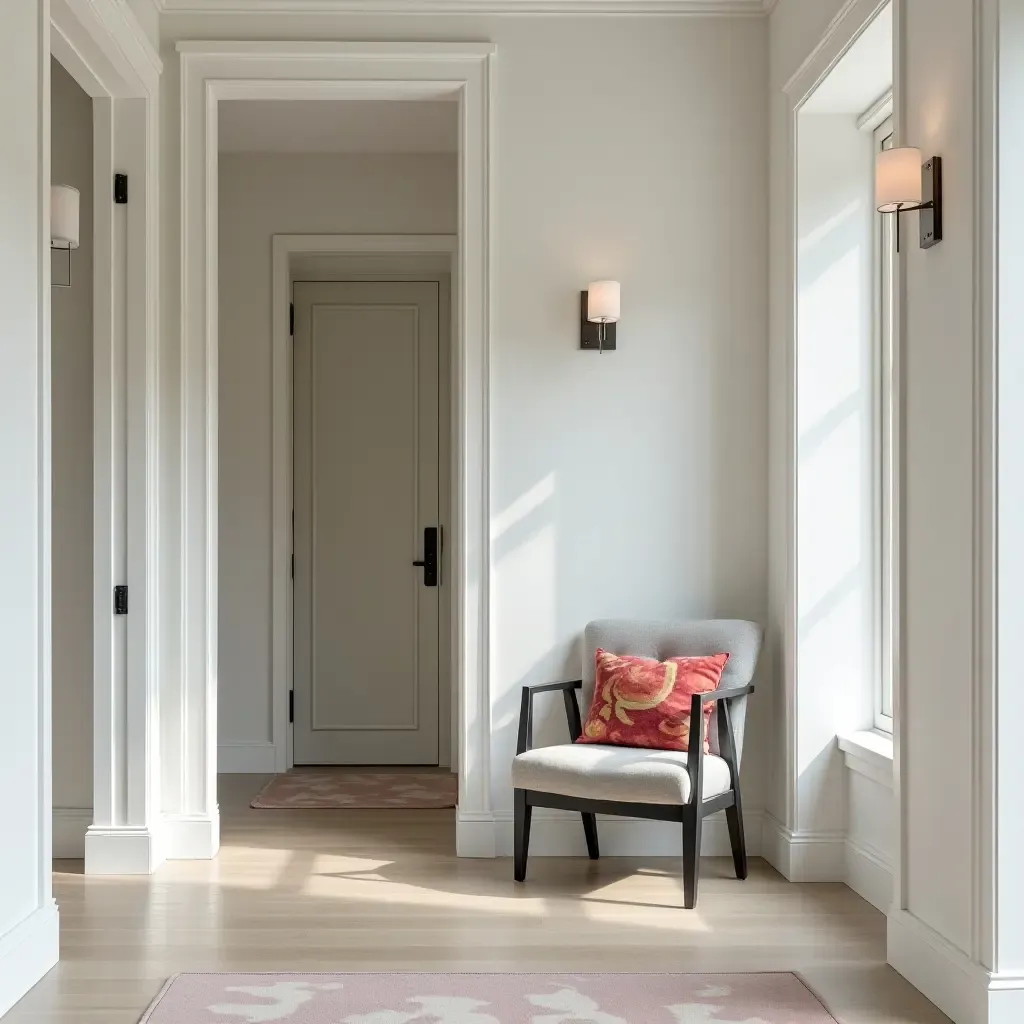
[(640, 702)]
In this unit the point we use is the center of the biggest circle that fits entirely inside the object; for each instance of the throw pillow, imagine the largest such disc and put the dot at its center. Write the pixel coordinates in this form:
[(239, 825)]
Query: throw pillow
[(642, 702)]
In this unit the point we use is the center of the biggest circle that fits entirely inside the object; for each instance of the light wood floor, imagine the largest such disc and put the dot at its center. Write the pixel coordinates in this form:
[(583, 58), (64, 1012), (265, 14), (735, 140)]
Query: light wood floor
[(382, 890)]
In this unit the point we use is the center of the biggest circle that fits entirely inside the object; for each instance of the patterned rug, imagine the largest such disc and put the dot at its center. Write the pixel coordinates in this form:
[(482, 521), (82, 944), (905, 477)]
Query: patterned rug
[(343, 787), (486, 999)]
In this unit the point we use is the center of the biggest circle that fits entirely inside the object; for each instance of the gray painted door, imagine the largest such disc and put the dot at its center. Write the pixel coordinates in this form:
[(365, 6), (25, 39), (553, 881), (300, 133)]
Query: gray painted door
[(366, 486)]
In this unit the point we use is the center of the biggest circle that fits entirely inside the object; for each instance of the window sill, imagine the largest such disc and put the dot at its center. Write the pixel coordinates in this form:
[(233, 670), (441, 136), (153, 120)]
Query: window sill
[(869, 753)]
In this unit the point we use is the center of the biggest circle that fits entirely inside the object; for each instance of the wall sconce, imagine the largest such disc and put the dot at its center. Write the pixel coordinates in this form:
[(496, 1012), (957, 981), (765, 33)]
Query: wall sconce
[(64, 201), (903, 184), (599, 308)]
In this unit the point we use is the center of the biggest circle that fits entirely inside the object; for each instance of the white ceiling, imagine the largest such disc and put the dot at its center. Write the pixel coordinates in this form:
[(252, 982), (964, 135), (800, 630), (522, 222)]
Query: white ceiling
[(339, 126), (862, 76)]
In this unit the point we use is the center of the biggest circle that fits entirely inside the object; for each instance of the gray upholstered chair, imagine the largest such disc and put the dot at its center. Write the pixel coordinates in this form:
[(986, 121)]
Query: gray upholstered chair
[(659, 784)]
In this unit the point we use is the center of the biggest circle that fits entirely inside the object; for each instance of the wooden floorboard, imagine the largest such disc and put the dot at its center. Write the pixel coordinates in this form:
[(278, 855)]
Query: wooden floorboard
[(383, 891)]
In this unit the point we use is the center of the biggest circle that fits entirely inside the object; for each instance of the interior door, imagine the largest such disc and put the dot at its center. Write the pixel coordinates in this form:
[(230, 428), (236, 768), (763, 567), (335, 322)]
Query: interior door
[(365, 492)]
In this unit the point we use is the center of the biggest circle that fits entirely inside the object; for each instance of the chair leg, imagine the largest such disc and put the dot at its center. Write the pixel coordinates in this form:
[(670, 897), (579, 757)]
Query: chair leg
[(590, 831), (734, 819), (691, 854), (523, 815)]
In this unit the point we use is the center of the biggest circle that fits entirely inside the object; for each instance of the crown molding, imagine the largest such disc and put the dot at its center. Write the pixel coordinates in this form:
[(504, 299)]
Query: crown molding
[(732, 8)]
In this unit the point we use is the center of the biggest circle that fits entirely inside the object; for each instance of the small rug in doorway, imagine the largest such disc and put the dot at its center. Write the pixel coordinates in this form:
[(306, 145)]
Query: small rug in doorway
[(487, 999), (344, 788)]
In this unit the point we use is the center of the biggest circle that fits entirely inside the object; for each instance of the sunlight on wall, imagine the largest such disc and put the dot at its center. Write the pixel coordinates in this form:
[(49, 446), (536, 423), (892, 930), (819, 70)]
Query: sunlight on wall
[(836, 517), (525, 581)]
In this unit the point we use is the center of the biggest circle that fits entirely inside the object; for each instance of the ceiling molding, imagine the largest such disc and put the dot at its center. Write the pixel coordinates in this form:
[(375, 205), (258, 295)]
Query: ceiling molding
[(745, 8)]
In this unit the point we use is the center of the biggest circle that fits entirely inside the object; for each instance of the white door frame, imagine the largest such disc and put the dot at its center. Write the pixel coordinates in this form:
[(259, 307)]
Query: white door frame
[(214, 71), (286, 249), (102, 46)]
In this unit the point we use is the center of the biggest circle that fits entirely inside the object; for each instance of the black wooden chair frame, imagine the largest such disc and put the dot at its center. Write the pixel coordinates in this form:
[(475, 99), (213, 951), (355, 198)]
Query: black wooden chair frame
[(689, 815)]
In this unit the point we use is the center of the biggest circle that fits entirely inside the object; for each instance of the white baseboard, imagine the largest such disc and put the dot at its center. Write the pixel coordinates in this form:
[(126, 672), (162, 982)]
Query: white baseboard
[(27, 952), (474, 834), (122, 850), (69, 825), (560, 834), (804, 856), (191, 836), (246, 758), (945, 974), (869, 874)]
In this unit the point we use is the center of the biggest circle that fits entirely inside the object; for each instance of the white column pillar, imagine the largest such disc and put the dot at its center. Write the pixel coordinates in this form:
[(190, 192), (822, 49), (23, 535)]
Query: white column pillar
[(125, 835), (957, 925), (192, 818), (28, 916)]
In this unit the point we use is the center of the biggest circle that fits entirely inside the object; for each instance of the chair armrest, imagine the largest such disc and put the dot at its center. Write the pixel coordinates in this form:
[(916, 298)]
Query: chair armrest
[(568, 684), (726, 739), (726, 694), (572, 710)]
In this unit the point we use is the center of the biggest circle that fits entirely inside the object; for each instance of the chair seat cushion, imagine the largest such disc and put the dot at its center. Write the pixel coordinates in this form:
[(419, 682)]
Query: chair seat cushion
[(623, 774)]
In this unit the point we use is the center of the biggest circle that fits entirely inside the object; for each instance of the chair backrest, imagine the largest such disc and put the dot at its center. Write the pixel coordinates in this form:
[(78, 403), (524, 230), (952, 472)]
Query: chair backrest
[(739, 639)]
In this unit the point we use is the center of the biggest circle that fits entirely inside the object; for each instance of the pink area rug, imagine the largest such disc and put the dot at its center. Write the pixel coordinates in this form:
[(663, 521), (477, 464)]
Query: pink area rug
[(486, 999), (343, 787)]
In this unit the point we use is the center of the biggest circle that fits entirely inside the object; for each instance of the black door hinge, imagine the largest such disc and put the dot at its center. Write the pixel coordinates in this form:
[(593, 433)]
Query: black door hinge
[(120, 600), (291, 706), (120, 188), (291, 319)]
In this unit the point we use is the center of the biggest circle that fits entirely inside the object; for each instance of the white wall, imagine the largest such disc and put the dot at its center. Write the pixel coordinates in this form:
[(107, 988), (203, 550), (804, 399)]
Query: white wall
[(795, 27), (954, 925), (940, 463), (71, 470), (262, 195), (28, 916), (633, 483), (835, 660)]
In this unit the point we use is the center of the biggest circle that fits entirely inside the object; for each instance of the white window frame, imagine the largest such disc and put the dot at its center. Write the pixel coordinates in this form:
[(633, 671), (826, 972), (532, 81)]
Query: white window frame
[(885, 461)]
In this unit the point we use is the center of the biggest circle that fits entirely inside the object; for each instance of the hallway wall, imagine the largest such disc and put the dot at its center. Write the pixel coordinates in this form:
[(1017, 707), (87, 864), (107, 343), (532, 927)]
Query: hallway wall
[(71, 334), (632, 484), (28, 916)]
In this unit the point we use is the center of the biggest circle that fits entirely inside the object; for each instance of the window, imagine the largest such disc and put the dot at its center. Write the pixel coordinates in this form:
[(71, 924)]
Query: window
[(887, 459)]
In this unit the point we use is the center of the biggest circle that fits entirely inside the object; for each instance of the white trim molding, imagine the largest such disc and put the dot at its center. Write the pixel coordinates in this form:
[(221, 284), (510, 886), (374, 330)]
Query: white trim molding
[(721, 8), (869, 753), (28, 950), (869, 873), (104, 48), (190, 836), (804, 856), (959, 986), (560, 834), (105, 37), (69, 828), (122, 850), (254, 758), (215, 71)]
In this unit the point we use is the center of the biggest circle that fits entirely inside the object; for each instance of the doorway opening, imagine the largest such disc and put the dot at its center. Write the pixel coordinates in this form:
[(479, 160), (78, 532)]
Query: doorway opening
[(212, 74), (336, 446)]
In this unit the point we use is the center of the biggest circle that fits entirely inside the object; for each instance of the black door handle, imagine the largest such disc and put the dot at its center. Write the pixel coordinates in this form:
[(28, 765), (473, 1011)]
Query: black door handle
[(429, 562)]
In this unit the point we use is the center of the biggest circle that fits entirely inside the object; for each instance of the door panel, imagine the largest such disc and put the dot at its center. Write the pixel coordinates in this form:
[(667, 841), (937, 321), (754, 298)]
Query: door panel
[(366, 486)]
